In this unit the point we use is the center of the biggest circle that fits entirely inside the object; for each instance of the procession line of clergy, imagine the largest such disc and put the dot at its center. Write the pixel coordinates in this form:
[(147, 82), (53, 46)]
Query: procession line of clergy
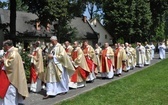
[(69, 67)]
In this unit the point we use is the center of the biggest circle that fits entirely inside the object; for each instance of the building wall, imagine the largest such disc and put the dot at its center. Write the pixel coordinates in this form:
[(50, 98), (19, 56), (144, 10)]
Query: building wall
[(104, 36)]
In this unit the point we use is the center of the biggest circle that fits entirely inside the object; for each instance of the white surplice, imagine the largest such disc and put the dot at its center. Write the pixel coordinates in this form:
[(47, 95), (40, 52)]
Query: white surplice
[(12, 97), (152, 51), (140, 56), (109, 74), (36, 87), (162, 52)]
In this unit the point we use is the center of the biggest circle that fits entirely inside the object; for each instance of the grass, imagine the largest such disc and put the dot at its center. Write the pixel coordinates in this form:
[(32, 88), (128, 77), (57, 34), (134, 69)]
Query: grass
[(147, 87)]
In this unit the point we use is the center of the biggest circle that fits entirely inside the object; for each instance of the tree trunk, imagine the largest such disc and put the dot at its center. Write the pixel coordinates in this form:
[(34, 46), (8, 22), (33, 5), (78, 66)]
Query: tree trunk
[(12, 34)]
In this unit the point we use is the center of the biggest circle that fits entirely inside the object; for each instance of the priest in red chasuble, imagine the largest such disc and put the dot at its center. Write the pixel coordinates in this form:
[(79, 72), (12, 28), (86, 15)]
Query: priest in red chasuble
[(37, 68), (107, 63), (90, 57), (78, 79)]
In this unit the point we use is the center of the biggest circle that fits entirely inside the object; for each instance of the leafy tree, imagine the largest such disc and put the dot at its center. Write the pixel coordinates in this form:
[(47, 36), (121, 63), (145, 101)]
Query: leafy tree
[(130, 19), (166, 26), (55, 12), (160, 32), (76, 7), (143, 20), (158, 8), (20, 6), (3, 4), (117, 18)]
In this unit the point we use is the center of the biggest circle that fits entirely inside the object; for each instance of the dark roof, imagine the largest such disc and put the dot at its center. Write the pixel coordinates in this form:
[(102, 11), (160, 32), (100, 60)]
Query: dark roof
[(84, 29), (24, 26)]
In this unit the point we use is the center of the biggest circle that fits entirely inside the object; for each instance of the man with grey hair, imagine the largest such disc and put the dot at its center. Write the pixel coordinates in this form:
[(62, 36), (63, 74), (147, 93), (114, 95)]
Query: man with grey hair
[(16, 90), (58, 71)]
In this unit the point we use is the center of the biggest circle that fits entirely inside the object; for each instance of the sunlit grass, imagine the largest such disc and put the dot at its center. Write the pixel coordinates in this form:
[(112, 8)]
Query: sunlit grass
[(147, 87)]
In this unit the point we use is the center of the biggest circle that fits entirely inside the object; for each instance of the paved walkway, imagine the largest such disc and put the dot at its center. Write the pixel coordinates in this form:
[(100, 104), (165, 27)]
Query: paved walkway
[(36, 98)]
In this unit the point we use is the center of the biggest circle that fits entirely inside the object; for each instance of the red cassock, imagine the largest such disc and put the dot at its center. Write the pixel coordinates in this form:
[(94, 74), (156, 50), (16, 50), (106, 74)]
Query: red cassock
[(33, 75), (66, 49), (103, 59), (78, 71), (4, 82), (89, 61)]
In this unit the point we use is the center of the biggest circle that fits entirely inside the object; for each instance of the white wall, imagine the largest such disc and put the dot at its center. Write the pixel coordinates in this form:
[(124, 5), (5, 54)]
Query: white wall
[(101, 30)]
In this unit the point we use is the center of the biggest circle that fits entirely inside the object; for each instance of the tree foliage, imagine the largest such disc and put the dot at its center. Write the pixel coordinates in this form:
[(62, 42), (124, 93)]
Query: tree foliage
[(130, 19), (56, 12), (76, 7), (3, 4), (158, 8)]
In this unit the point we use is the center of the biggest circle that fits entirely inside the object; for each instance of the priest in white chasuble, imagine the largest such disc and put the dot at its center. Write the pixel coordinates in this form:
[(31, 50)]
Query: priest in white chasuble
[(140, 50), (59, 70), (147, 54), (98, 50)]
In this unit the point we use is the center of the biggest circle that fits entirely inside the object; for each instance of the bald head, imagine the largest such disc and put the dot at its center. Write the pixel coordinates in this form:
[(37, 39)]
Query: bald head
[(126, 44)]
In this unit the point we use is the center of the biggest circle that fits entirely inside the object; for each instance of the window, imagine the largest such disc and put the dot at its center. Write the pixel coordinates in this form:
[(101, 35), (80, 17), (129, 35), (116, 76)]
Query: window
[(38, 26), (105, 36), (48, 27)]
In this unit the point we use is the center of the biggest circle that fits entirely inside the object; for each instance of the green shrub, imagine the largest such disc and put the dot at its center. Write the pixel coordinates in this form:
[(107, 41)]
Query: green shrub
[(120, 40), (26, 64)]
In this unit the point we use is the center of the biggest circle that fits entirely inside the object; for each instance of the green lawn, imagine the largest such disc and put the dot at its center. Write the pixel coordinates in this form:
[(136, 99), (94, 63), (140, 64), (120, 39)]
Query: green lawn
[(147, 87)]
